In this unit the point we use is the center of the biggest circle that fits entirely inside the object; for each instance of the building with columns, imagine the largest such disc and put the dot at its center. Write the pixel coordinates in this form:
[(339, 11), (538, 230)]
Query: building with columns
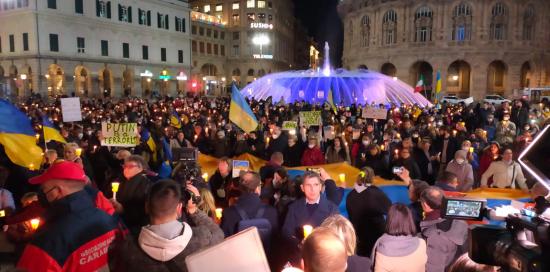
[(252, 37), (479, 47), (94, 47)]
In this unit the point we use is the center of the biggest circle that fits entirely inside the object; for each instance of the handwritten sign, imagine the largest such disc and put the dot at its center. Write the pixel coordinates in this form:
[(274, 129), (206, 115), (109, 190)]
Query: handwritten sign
[(70, 108), (374, 113), (119, 134), (310, 118), (289, 125), (239, 166)]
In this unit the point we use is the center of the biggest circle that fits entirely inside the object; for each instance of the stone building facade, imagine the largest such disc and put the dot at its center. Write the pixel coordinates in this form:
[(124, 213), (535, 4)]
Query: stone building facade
[(479, 47), (94, 47), (254, 38)]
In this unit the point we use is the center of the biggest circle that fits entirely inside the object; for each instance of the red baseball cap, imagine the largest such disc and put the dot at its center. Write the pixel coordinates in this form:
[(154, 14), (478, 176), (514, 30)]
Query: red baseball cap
[(61, 170)]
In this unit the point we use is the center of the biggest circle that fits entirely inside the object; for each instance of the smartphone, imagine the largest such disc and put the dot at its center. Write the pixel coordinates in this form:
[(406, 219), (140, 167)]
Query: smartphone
[(397, 170)]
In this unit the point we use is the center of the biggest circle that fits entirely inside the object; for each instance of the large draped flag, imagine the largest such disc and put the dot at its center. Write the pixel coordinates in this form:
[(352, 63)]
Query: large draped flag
[(240, 112), (175, 120), (50, 132), (18, 137), (437, 86)]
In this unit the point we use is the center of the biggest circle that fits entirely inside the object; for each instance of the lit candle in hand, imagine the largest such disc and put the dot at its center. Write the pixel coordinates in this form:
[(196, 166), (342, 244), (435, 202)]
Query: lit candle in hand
[(34, 223), (219, 212), (307, 230), (78, 151), (114, 188), (342, 178)]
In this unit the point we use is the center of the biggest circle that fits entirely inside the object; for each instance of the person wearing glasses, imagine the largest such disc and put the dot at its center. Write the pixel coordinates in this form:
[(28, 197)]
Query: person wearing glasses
[(506, 173), (132, 193)]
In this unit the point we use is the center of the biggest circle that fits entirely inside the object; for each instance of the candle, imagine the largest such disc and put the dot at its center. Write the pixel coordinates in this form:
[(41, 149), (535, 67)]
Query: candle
[(454, 132), (95, 147), (205, 177), (78, 151), (307, 230), (37, 136), (471, 150), (396, 151), (196, 137), (114, 188), (382, 147), (398, 135), (2, 213), (267, 141), (342, 178), (34, 223), (219, 213)]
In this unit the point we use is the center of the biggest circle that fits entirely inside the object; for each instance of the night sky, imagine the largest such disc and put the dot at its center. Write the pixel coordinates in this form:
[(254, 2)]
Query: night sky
[(321, 19)]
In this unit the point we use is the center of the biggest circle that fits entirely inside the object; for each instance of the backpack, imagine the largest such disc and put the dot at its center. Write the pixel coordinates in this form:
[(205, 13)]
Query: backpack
[(262, 224)]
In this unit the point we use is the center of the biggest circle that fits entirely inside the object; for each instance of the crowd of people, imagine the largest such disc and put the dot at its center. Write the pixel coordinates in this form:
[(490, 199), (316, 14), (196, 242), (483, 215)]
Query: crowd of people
[(70, 218)]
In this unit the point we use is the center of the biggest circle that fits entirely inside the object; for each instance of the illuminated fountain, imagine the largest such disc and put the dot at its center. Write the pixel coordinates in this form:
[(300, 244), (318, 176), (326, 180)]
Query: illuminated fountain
[(358, 86)]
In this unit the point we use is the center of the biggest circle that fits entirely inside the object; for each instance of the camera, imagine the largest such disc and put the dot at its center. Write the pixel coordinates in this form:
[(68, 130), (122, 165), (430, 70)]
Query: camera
[(523, 245), (397, 170)]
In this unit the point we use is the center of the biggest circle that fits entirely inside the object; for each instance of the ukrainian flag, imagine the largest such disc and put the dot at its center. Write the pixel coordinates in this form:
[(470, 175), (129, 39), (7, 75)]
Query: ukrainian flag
[(18, 137), (330, 101), (437, 86), (147, 139), (175, 120), (240, 112), (50, 133)]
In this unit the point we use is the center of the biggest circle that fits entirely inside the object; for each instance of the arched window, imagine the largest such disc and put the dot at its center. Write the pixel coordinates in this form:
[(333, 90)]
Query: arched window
[(423, 24), (528, 23), (499, 22), (389, 27), (250, 72), (365, 31), (462, 23)]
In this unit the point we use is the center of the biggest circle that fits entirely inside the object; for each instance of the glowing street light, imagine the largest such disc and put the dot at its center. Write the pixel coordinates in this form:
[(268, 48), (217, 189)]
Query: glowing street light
[(261, 40)]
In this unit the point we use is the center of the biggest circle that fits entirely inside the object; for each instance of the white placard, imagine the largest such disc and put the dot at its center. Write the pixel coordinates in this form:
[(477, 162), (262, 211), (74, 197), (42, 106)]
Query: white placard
[(240, 252), (70, 108), (374, 113)]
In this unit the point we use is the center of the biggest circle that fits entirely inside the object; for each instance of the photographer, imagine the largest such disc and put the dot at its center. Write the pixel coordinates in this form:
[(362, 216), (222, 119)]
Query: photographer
[(444, 237), (166, 242)]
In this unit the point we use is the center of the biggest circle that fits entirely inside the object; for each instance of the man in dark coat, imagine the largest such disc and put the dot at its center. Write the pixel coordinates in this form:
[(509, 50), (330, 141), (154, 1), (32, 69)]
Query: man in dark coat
[(130, 198), (277, 142), (222, 184), (367, 205), (312, 209), (164, 245), (426, 161), (445, 146)]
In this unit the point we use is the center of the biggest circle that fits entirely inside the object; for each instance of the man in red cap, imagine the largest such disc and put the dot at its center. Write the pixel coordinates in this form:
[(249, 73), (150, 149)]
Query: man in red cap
[(75, 235)]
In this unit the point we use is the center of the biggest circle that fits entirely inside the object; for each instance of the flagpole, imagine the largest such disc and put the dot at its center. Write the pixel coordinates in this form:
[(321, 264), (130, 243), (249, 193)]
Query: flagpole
[(45, 143)]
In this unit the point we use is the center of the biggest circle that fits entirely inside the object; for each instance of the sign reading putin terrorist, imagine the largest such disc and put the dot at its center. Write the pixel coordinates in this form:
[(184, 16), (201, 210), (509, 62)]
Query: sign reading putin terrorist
[(119, 134)]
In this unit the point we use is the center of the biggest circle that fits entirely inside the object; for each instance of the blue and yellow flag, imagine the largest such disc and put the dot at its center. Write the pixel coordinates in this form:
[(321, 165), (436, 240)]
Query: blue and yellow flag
[(50, 132), (438, 83), (166, 150), (240, 112), (330, 101), (147, 139), (18, 137), (175, 120)]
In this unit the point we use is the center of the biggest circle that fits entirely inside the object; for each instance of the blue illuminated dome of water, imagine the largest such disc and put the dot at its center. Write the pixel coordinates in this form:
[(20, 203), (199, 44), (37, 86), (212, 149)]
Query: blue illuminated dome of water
[(358, 86), (361, 86)]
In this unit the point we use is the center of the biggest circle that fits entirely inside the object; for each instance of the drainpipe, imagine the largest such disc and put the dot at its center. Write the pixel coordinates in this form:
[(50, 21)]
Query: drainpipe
[(38, 47)]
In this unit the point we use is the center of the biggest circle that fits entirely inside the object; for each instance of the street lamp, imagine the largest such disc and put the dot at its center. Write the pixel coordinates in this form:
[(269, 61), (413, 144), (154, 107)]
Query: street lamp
[(261, 40)]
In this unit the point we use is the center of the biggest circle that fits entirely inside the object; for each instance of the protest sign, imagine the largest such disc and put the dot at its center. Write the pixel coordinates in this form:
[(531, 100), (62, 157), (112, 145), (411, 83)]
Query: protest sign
[(228, 255), (310, 118), (70, 108), (289, 125), (239, 166), (119, 134), (374, 113)]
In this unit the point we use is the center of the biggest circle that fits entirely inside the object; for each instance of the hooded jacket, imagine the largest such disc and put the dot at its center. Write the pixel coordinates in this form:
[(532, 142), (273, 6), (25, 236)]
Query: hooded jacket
[(445, 240), (152, 252), (399, 253)]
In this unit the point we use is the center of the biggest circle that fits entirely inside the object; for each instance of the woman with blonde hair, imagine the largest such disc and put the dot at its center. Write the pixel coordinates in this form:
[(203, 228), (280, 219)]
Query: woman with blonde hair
[(70, 153), (344, 229), (207, 203)]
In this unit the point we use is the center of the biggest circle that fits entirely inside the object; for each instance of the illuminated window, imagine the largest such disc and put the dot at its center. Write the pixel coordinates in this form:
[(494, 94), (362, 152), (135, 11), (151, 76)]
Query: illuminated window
[(250, 3), (206, 8), (251, 17), (261, 4), (219, 7), (236, 19), (235, 5)]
